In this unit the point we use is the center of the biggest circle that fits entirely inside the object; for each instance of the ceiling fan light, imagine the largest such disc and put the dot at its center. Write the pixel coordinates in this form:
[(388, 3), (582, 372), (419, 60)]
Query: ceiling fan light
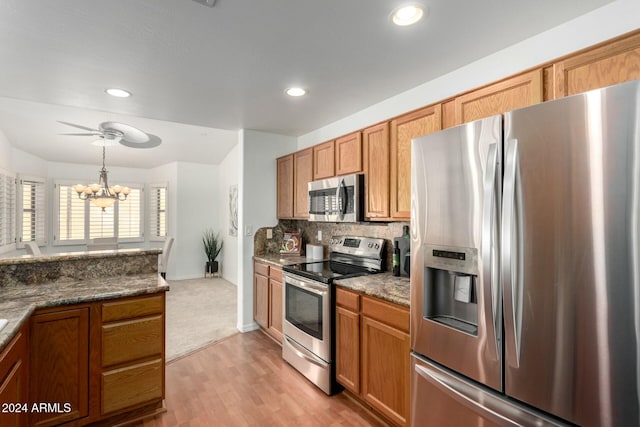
[(118, 93)]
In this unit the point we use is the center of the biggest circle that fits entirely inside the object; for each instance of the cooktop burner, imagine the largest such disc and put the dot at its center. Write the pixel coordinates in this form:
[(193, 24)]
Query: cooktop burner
[(349, 257)]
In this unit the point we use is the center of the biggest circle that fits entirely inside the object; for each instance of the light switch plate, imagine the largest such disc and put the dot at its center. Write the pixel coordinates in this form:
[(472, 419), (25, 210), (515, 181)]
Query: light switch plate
[(269, 233)]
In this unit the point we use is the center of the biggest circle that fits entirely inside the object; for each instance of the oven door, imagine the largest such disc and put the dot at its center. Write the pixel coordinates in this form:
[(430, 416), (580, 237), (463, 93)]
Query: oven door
[(307, 314)]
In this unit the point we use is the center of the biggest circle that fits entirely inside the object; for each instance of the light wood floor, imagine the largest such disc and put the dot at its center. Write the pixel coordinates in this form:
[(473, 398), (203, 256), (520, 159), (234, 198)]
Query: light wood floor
[(243, 381)]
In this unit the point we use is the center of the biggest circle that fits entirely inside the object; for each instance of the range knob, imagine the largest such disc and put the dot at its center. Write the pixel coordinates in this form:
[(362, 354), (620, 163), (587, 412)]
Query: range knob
[(370, 245), (377, 246)]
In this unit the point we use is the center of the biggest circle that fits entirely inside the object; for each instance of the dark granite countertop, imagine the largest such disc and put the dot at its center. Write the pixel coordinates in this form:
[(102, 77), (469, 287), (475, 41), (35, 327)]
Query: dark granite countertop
[(279, 260), (69, 256), (384, 286), (17, 303)]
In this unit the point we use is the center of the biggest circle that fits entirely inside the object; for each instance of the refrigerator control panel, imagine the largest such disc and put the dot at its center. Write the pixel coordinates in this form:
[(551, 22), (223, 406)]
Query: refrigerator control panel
[(451, 258)]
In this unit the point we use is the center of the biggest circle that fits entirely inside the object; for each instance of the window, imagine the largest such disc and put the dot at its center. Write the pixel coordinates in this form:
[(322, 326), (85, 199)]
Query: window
[(79, 220), (7, 211), (32, 211), (158, 212)]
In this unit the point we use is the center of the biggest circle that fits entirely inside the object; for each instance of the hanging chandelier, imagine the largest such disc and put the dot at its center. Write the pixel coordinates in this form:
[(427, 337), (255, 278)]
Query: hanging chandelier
[(100, 194)]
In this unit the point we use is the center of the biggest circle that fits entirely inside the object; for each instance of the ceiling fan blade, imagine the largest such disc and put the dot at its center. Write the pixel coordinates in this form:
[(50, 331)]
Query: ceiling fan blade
[(82, 134), (78, 126)]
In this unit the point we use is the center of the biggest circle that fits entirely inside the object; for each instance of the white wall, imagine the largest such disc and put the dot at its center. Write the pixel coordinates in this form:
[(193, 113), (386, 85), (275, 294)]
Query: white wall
[(602, 24), (197, 210), (5, 153), (228, 175), (257, 206)]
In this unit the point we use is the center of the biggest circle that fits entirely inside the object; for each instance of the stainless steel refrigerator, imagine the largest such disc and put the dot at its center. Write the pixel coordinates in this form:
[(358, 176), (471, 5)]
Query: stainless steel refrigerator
[(525, 275)]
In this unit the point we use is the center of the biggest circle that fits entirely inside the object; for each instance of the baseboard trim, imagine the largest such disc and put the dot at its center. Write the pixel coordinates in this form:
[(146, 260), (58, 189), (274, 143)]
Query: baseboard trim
[(249, 327)]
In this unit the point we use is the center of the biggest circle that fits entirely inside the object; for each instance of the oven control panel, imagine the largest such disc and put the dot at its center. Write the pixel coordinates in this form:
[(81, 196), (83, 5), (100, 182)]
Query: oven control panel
[(369, 247)]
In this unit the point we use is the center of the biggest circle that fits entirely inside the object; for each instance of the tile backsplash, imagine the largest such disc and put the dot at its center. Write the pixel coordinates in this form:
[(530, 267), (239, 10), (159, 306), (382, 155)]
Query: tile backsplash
[(309, 232)]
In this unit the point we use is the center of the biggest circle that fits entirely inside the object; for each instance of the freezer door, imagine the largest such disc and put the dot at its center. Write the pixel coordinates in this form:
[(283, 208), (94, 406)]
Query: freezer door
[(442, 399), (456, 315), (570, 256)]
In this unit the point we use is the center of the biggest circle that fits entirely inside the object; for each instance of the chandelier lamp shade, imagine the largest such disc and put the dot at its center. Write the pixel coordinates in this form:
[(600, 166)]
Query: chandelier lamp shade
[(100, 194)]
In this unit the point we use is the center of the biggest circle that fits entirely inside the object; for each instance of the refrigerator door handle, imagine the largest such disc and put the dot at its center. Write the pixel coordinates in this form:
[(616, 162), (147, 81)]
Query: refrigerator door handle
[(458, 391), (491, 291), (510, 263)]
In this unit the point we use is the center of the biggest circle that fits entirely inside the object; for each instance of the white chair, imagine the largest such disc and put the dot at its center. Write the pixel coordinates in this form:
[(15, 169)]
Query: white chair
[(32, 248), (163, 259)]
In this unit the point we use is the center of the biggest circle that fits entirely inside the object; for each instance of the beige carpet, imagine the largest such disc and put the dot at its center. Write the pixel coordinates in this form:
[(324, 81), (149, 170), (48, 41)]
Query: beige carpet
[(199, 312)]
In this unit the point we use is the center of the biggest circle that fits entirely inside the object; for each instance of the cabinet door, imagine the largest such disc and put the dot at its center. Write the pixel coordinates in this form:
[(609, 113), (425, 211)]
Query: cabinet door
[(303, 174), (515, 92), (348, 349), (385, 369), (13, 380), (59, 365), (285, 187), (275, 309), (324, 165), (349, 154), (261, 300), (606, 65), (375, 141), (403, 129)]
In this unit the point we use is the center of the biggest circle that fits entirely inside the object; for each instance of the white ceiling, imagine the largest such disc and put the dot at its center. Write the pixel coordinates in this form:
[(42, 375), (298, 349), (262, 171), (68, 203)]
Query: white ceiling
[(199, 74)]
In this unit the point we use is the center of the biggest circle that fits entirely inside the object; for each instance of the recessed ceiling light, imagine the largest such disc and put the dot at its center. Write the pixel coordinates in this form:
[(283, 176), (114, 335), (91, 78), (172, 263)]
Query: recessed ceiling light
[(295, 91), (407, 14), (120, 93)]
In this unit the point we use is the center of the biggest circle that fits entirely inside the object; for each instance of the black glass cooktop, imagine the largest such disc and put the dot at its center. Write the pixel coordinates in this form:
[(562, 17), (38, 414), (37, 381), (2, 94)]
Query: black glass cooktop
[(325, 271)]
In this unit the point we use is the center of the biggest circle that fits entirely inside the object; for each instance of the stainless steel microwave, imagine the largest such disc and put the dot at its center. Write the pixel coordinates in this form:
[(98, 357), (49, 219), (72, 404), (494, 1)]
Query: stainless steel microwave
[(338, 199)]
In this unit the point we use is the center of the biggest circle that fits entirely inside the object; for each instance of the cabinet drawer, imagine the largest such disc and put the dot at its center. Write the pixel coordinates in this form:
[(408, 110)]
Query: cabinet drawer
[(131, 340), (260, 268), (347, 299), (275, 274), (14, 351), (127, 387), (137, 307), (385, 312)]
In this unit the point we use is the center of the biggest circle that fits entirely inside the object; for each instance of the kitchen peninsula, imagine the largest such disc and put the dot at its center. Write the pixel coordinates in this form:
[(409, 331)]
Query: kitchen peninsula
[(85, 336)]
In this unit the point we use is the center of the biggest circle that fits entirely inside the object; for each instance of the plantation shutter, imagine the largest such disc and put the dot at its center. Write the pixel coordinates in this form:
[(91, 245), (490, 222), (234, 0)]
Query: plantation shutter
[(32, 210), (71, 214), (158, 212), (101, 223), (7, 209), (130, 216)]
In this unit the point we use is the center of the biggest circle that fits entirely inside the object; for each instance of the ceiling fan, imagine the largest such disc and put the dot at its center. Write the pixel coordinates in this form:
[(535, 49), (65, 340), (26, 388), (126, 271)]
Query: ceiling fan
[(112, 133)]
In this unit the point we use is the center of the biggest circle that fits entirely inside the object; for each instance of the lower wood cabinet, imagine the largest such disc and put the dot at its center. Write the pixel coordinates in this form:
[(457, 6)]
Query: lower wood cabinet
[(372, 352), (13, 380), (104, 359), (59, 365), (267, 298)]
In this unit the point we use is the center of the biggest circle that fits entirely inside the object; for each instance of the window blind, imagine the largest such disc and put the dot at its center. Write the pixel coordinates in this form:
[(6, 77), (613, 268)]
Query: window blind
[(158, 212), (101, 223), (32, 210), (7, 209), (71, 214), (130, 216)]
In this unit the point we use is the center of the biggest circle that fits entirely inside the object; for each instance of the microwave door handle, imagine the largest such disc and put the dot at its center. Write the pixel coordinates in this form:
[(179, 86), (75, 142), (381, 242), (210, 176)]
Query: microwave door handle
[(341, 197), (337, 199)]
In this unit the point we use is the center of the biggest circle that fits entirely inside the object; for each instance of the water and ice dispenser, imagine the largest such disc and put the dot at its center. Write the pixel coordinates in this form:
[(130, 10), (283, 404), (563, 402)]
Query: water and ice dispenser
[(450, 287)]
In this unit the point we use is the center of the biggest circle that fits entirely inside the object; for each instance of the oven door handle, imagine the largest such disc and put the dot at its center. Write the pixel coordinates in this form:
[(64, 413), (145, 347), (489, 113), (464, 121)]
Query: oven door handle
[(300, 284), (304, 353)]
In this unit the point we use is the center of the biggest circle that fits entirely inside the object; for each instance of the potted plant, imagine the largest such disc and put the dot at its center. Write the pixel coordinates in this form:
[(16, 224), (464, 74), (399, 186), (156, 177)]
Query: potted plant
[(212, 247)]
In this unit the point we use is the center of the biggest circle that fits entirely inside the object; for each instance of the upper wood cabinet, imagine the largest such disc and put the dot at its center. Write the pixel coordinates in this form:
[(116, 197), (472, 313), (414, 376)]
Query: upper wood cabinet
[(506, 95), (285, 186), (302, 175), (375, 142), (403, 130), (324, 163), (606, 65), (349, 154)]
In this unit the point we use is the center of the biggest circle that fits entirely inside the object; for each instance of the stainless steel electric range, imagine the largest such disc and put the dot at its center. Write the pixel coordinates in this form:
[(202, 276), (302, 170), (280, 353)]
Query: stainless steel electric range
[(308, 304)]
